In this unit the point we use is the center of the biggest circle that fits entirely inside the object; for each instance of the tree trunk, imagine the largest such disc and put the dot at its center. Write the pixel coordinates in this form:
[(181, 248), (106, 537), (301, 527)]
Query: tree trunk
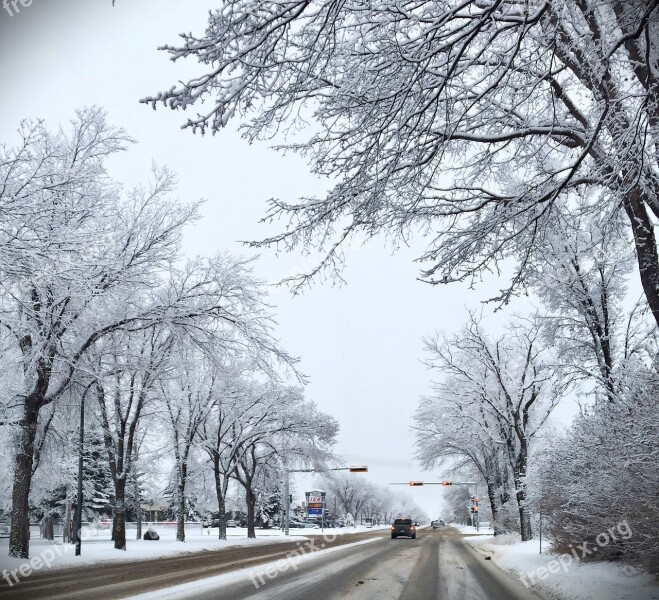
[(19, 537), (221, 502), (519, 475), (49, 533), (494, 507), (646, 249), (66, 533), (180, 512), (119, 522), (250, 499), (222, 507)]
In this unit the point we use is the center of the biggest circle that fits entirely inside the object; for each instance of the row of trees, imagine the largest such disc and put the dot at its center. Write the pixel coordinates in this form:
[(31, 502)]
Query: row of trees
[(97, 306), (355, 495), (493, 395), (507, 133)]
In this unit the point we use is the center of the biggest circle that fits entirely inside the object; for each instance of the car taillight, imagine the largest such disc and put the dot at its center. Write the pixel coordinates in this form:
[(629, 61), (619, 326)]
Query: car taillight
[(411, 528), (393, 527)]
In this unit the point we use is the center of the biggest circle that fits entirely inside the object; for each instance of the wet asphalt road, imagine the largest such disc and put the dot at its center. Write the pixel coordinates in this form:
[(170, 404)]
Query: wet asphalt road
[(436, 565)]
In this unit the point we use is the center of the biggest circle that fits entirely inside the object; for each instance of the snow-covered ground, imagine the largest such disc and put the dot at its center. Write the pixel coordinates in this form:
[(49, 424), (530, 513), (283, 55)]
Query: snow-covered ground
[(97, 546), (210, 584), (562, 577), (469, 530)]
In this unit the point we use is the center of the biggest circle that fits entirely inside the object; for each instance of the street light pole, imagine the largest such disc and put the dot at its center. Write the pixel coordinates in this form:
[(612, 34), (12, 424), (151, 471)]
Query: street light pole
[(81, 442), (287, 501)]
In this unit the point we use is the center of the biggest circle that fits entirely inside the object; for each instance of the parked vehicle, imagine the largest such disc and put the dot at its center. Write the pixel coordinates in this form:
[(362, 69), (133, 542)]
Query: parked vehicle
[(232, 523), (295, 524)]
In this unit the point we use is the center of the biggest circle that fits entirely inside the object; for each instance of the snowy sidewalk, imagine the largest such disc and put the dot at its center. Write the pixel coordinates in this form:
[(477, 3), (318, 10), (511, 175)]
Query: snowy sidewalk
[(557, 577), (97, 546)]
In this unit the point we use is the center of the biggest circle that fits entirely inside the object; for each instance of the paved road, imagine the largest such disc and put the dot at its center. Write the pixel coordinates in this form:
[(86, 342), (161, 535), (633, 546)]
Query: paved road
[(437, 565)]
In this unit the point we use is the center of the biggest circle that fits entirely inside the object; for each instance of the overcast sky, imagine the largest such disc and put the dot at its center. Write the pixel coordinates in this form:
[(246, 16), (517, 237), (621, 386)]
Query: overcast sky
[(360, 344)]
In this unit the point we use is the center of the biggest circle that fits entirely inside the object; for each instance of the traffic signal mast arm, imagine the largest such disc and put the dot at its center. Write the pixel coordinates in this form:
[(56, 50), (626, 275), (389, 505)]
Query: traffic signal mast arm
[(417, 483)]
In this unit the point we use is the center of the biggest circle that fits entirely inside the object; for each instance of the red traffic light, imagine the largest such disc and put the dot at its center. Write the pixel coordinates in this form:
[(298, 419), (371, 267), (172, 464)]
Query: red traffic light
[(415, 483), (447, 482)]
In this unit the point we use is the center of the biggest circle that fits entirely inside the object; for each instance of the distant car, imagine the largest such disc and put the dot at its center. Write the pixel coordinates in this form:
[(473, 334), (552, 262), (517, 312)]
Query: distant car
[(232, 523), (403, 527), (438, 524)]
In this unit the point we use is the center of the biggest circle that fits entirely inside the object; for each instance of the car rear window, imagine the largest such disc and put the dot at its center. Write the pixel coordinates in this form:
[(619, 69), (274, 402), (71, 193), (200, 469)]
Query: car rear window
[(403, 522)]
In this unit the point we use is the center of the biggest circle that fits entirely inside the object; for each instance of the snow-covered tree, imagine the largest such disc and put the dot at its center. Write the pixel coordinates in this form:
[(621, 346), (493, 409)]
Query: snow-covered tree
[(466, 121), (82, 261), (188, 396), (601, 474), (495, 392), (580, 274), (69, 250)]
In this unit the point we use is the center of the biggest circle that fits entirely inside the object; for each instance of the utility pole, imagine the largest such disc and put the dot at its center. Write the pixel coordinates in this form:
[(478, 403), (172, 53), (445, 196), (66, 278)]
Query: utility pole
[(81, 443)]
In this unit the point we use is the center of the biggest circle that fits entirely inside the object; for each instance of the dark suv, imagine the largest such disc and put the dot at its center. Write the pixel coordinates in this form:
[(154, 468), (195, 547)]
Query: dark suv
[(403, 527)]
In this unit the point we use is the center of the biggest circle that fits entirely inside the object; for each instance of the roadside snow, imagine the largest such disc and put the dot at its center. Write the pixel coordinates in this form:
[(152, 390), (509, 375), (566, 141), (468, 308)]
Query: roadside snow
[(97, 546), (469, 530), (570, 579), (256, 574)]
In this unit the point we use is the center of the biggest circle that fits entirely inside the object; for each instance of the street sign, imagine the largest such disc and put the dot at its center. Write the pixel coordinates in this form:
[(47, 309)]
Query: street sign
[(315, 503)]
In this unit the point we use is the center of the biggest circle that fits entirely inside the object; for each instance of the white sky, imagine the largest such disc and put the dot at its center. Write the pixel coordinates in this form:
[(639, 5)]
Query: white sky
[(360, 344)]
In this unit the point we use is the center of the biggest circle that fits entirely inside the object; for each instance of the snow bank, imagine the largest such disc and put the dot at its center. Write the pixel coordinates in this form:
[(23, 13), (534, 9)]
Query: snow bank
[(469, 530), (210, 584), (99, 548), (563, 577)]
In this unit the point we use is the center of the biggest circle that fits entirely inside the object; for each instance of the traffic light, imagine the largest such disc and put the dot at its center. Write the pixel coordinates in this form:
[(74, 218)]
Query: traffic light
[(474, 504), (358, 469), (444, 482), (290, 499), (415, 483)]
